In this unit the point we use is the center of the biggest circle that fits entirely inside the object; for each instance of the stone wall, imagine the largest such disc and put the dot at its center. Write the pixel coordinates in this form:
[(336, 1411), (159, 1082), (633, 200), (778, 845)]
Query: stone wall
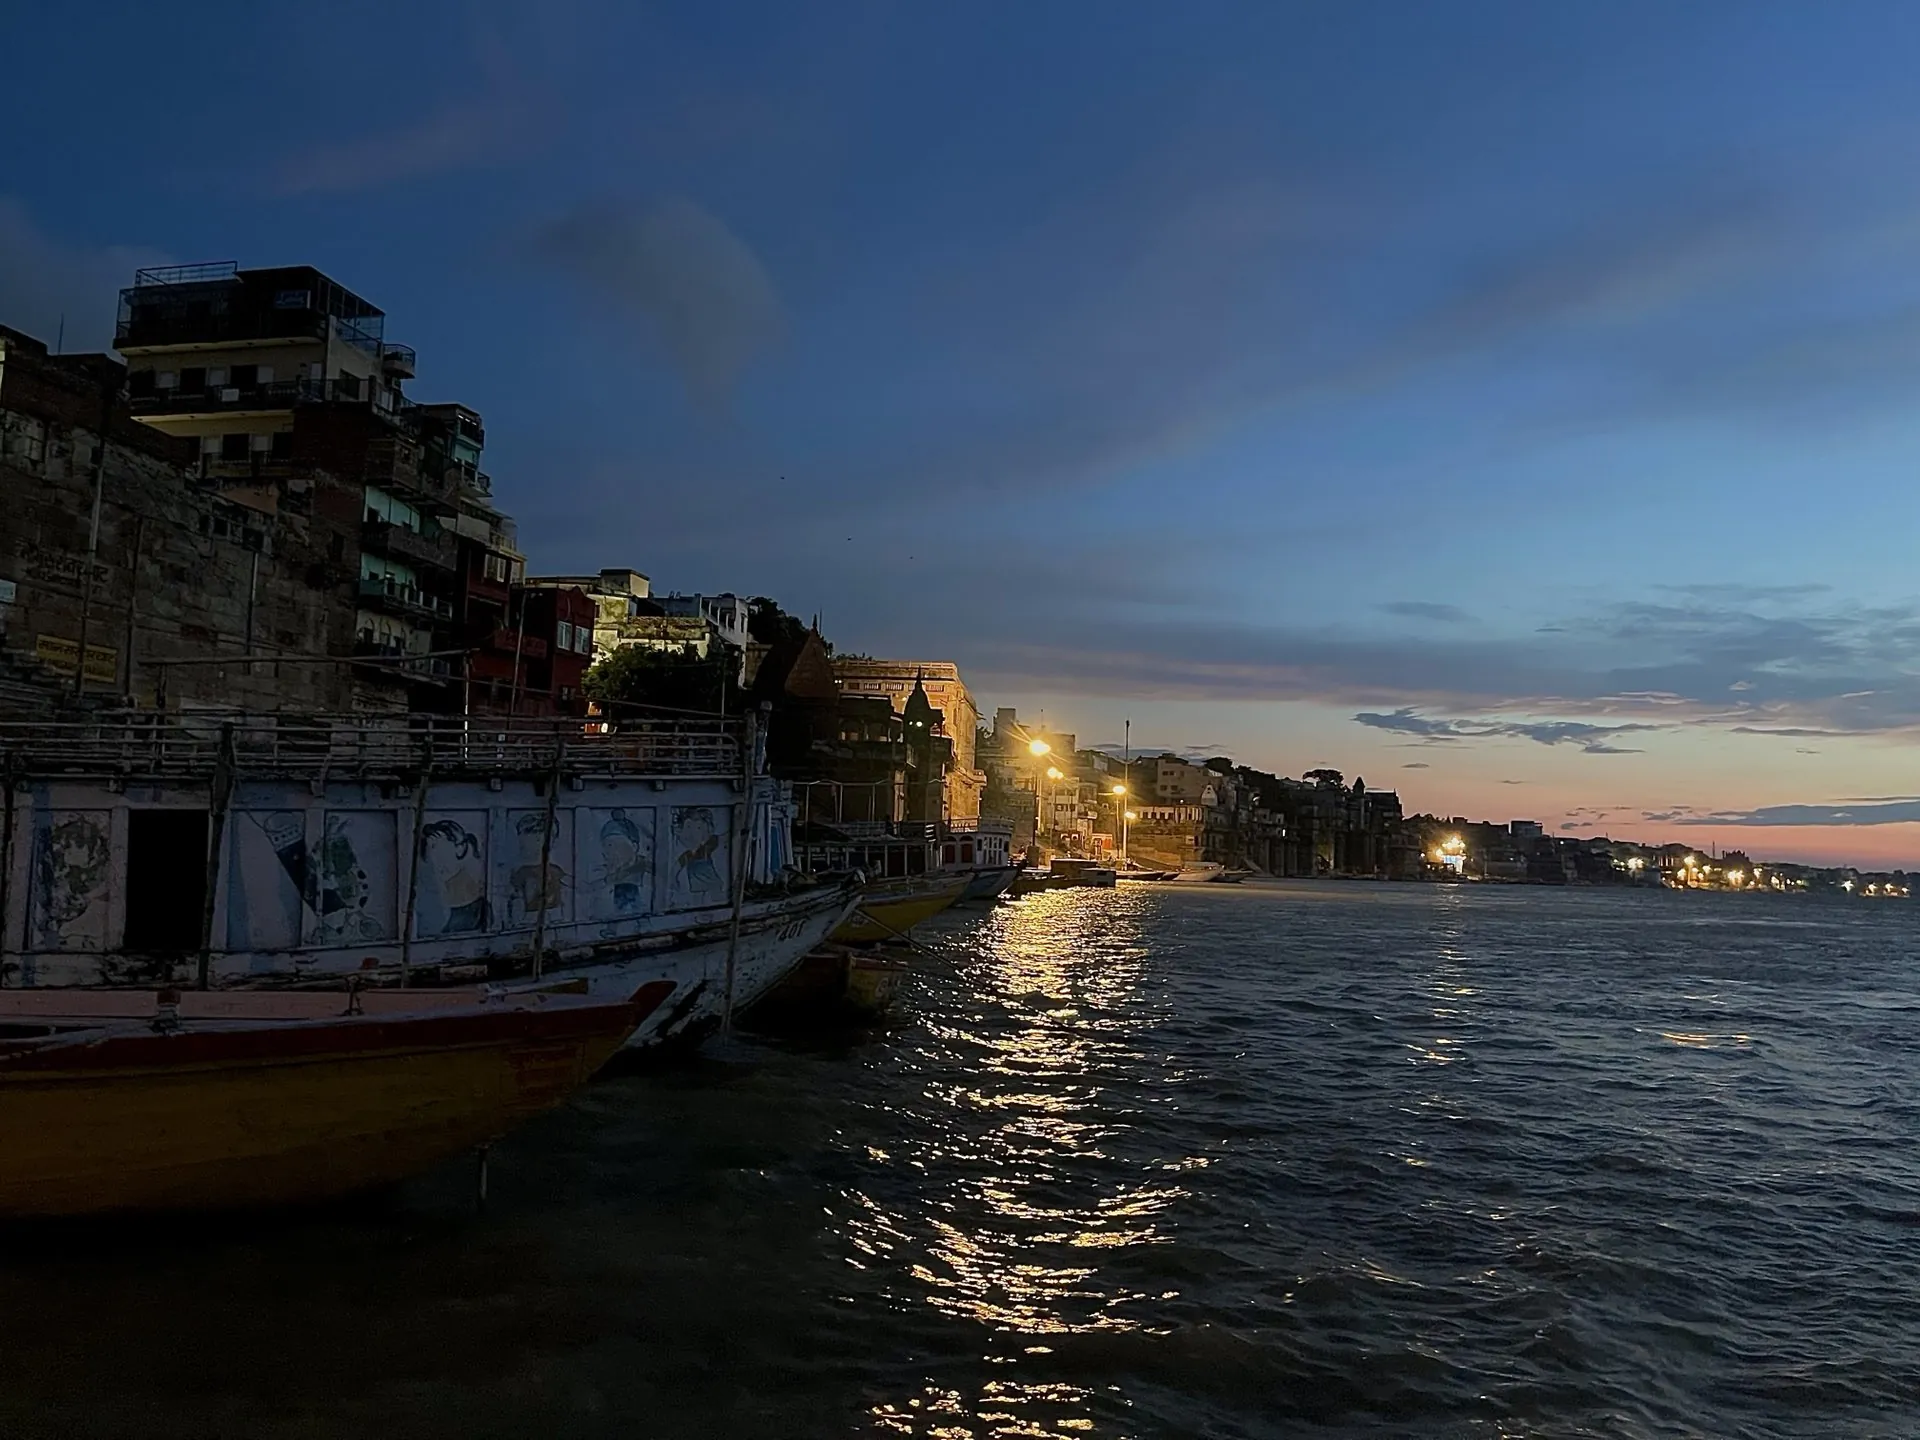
[(180, 573)]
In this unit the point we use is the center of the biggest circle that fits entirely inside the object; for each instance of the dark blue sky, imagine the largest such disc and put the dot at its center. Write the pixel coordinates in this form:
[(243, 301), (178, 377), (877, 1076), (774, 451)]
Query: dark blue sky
[(1443, 386)]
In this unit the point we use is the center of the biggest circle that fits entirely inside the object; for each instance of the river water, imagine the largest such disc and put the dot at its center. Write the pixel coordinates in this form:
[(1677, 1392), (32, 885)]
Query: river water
[(1226, 1161)]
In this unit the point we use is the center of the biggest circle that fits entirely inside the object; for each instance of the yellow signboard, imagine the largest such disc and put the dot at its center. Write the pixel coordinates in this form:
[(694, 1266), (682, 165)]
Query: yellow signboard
[(59, 654)]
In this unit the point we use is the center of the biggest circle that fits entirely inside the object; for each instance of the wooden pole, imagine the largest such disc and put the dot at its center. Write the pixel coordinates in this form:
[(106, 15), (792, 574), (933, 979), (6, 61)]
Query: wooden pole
[(222, 798), (546, 857), (6, 871), (749, 733), (133, 601), (413, 862), (93, 536)]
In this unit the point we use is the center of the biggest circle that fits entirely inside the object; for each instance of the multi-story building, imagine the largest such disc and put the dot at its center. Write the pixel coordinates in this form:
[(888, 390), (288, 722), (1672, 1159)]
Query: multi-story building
[(283, 383), (1170, 780), (896, 680), (619, 596)]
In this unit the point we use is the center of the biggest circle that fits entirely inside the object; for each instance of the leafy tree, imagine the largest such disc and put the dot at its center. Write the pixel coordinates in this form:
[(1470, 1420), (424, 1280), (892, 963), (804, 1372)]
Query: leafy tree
[(769, 624), (673, 680)]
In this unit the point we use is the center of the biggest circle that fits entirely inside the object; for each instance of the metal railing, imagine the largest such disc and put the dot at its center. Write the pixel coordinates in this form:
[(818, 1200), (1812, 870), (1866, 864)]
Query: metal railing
[(314, 746), (409, 598)]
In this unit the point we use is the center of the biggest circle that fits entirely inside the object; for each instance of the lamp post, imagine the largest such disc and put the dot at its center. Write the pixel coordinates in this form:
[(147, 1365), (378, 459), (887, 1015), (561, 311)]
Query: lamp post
[(1039, 749), (1054, 776), (1120, 804)]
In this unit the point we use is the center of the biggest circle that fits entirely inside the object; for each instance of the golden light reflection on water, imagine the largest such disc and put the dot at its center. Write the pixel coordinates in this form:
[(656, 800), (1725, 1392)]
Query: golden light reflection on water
[(1022, 1232)]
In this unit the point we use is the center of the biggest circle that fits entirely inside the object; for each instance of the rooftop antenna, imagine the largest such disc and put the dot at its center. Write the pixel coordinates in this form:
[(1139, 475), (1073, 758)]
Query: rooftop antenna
[(60, 341)]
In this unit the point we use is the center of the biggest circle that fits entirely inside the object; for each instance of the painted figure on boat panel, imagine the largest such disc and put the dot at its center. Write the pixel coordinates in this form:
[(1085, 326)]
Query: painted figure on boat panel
[(621, 877), (700, 858), (354, 898), (72, 868), (452, 894), (530, 884), (270, 880)]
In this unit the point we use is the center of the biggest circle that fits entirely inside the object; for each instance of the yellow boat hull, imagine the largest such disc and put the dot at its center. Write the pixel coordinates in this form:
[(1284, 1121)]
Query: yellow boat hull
[(277, 1119), (893, 909)]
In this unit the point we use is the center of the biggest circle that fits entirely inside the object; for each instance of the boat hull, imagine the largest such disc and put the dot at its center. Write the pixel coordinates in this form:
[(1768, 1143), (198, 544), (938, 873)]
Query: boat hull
[(988, 884), (774, 939), (888, 911), (229, 1114)]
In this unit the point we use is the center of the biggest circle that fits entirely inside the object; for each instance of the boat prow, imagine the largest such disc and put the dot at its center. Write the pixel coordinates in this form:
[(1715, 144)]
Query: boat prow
[(228, 1108)]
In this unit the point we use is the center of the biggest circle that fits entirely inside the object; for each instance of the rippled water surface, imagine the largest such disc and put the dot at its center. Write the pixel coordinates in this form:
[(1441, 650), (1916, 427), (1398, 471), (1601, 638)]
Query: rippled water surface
[(1223, 1161)]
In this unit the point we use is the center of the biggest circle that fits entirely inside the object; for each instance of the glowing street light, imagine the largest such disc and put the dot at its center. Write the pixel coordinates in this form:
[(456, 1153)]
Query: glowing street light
[(1054, 773), (1039, 747), (1125, 816)]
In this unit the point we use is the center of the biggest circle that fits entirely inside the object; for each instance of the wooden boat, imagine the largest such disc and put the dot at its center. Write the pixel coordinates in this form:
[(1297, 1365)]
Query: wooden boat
[(888, 909), (403, 851), (835, 986), (989, 884), (872, 982), (222, 1100), (1144, 874)]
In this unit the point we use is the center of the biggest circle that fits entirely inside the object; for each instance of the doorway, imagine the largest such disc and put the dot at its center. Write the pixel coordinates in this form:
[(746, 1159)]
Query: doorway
[(166, 879)]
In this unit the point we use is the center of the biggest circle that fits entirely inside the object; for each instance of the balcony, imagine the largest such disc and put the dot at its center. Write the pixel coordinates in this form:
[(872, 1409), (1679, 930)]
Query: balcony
[(431, 547), (277, 395), (509, 642), (399, 598), (393, 658), (397, 361)]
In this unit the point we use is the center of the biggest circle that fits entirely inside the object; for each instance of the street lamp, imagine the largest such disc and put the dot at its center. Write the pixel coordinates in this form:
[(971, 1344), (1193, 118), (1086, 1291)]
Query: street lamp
[(1054, 776), (1125, 815), (1039, 749)]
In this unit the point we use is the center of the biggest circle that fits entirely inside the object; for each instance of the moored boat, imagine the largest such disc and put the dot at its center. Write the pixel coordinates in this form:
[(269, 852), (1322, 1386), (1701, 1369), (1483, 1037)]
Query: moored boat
[(989, 884), (270, 851), (889, 909), (836, 986), (266, 1099)]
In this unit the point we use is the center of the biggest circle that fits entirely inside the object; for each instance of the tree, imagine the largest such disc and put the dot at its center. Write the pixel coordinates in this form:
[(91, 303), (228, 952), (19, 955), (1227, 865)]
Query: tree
[(670, 680), (770, 625), (1332, 779)]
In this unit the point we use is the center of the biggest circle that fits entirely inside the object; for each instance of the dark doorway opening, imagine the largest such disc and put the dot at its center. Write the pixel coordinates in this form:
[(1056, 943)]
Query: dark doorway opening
[(166, 878)]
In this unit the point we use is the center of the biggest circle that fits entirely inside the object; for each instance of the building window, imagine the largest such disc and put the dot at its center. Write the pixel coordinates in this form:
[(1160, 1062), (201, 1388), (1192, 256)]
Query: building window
[(283, 444), (563, 633), (165, 380), (245, 377), (193, 379), (139, 383), (584, 634), (235, 447), (216, 377)]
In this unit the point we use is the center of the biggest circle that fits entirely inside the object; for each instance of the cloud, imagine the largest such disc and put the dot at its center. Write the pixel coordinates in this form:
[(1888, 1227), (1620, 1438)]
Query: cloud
[(456, 136), (1593, 739), (1745, 594), (678, 267), (1427, 610), (497, 117), (1416, 765), (1900, 812), (44, 280)]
